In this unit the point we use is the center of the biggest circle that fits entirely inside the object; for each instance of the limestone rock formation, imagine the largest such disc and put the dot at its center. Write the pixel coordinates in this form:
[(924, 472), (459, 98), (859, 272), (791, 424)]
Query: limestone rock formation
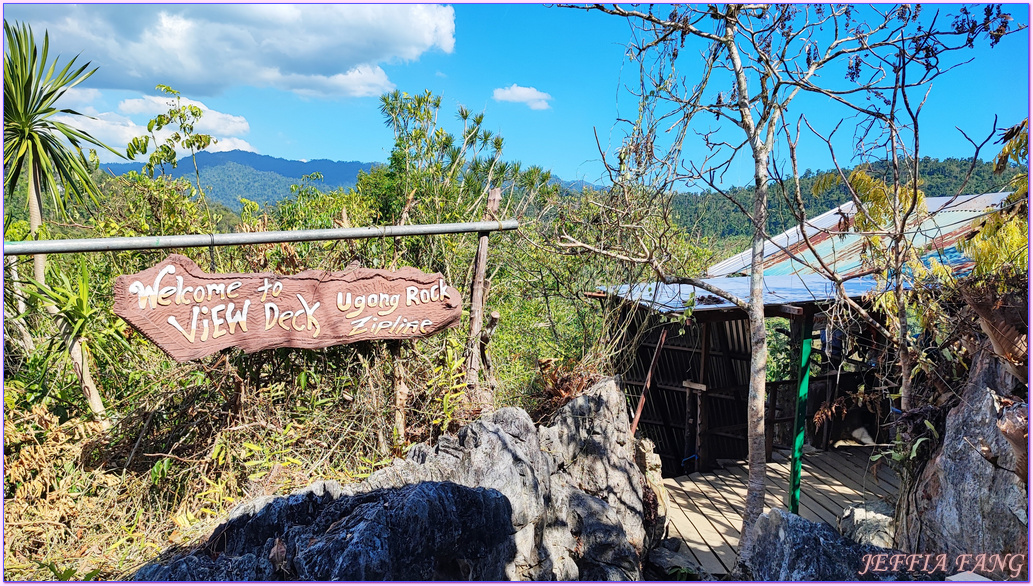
[(870, 522), (789, 548), (499, 500), (672, 561), (969, 498)]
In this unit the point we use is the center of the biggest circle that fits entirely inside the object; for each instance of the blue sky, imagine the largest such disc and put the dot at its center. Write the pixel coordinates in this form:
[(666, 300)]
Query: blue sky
[(302, 81)]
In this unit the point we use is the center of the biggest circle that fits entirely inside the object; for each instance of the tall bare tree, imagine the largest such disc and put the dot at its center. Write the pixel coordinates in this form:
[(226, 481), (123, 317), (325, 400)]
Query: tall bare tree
[(743, 65)]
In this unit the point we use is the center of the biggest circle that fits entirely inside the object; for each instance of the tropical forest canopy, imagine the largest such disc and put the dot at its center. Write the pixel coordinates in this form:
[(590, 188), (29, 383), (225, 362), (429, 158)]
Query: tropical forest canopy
[(229, 176), (714, 215)]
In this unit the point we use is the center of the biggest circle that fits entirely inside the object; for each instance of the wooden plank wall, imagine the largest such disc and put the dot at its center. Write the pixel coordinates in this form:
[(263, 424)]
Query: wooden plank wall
[(666, 419)]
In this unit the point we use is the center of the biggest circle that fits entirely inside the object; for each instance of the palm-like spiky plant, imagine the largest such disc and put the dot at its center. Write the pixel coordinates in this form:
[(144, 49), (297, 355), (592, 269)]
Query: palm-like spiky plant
[(48, 151)]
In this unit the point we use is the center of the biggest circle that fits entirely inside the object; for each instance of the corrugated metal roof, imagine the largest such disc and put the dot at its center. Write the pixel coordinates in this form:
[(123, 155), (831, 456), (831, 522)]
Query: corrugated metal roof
[(778, 290), (832, 236)]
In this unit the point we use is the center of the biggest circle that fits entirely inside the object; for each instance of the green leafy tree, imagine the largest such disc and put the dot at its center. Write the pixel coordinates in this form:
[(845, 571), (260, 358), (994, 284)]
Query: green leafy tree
[(1002, 239), (182, 117)]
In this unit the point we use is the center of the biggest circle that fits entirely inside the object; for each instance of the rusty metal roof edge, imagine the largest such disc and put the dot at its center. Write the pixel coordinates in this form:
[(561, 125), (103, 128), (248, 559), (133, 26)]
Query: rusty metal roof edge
[(825, 221)]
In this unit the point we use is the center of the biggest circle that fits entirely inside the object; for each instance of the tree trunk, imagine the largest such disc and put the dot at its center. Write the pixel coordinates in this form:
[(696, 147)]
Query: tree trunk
[(18, 321), (80, 363), (39, 261), (904, 359), (899, 261), (761, 138), (401, 392), (758, 354), (486, 362), (80, 360)]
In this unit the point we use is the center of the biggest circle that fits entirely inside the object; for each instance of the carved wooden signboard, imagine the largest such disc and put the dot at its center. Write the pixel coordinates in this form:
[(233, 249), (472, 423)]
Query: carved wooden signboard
[(189, 313)]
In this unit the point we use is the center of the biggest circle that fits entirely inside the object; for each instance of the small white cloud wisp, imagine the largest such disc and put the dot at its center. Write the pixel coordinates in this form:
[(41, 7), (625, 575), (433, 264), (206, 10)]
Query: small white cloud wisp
[(212, 122), (534, 99)]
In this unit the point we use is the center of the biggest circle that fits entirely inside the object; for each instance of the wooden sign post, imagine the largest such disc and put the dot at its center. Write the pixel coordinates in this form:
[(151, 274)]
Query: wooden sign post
[(481, 400), (190, 314)]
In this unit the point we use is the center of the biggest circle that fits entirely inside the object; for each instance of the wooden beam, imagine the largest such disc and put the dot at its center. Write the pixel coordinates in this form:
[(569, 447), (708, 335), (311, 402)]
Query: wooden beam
[(716, 393), (769, 425), (702, 420), (733, 427), (728, 435), (712, 316), (732, 354), (649, 376), (481, 401), (401, 392), (643, 421)]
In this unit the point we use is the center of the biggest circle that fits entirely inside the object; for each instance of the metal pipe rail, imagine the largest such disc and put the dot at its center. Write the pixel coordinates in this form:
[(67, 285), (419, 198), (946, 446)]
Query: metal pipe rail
[(238, 238)]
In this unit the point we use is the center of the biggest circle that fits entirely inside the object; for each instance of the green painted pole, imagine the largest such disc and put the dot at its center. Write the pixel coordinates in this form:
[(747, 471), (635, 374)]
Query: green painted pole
[(804, 377)]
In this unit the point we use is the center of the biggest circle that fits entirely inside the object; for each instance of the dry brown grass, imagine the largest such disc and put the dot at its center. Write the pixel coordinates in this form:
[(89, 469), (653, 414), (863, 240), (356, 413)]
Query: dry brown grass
[(65, 520), (82, 503)]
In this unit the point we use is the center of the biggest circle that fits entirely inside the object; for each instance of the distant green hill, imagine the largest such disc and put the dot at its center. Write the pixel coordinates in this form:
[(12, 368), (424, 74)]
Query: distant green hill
[(715, 216), (229, 176)]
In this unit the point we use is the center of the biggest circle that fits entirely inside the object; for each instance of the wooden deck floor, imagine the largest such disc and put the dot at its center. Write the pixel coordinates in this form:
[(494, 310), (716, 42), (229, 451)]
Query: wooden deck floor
[(705, 509)]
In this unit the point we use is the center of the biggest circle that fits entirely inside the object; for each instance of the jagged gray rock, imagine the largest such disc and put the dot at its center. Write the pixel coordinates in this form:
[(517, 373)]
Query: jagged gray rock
[(425, 531), (870, 522), (602, 551), (788, 548), (665, 564), (968, 498), (592, 449), (499, 500), (671, 561)]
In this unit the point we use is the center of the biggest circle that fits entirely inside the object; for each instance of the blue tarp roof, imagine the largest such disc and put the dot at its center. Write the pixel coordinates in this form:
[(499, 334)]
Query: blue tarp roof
[(778, 290)]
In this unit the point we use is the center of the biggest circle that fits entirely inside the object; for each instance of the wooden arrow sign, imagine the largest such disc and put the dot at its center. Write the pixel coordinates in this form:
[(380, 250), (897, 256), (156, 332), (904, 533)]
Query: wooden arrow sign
[(190, 314)]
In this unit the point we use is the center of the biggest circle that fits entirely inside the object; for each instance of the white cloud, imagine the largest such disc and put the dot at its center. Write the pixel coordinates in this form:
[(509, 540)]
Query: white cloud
[(108, 127), (359, 82), (212, 121), (78, 97), (534, 99), (116, 129), (231, 144), (201, 50)]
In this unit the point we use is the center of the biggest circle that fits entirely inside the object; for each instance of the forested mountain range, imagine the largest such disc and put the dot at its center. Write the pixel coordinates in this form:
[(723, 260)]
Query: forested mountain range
[(713, 215), (228, 176)]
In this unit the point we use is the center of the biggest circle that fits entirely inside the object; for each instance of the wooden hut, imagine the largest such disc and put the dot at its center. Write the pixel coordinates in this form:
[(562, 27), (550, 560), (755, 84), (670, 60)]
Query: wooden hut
[(695, 407)]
